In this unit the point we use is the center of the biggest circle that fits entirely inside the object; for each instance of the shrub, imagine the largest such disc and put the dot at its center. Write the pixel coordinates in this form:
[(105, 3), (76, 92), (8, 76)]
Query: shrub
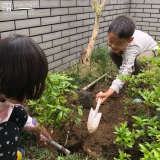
[(53, 107), (146, 128)]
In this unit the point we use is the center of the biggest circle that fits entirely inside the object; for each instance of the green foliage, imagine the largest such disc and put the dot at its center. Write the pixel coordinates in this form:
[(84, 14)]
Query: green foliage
[(125, 136), (101, 58), (52, 108), (97, 8), (146, 127), (158, 50), (151, 151), (147, 83), (128, 103), (123, 156), (146, 131)]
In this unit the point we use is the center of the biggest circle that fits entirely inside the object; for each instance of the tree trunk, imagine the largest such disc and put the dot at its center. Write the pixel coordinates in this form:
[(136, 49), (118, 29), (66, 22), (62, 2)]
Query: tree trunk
[(86, 53)]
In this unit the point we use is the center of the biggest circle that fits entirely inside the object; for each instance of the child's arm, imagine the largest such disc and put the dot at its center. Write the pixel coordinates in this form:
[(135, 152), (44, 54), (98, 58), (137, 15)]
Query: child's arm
[(32, 125), (43, 131)]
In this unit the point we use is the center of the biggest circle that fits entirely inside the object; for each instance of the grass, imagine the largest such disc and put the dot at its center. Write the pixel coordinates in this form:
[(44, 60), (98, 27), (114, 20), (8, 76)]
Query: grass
[(78, 156), (32, 150), (100, 64)]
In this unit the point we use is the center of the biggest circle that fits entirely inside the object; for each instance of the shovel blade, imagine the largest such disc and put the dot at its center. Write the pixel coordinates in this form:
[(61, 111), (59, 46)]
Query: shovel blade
[(93, 121), (85, 98)]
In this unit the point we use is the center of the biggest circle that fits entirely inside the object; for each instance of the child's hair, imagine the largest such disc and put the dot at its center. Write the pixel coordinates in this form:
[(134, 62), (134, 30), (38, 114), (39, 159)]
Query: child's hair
[(23, 68), (123, 26)]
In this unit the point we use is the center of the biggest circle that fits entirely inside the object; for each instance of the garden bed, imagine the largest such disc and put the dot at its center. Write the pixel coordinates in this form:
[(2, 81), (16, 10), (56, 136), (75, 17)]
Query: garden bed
[(100, 143), (137, 124)]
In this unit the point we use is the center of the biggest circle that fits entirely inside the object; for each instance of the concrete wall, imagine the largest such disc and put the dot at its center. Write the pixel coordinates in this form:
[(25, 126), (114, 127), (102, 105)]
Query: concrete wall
[(147, 16), (63, 27)]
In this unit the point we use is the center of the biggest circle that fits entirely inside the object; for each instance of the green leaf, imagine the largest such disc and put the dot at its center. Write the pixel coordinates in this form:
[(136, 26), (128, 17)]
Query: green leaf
[(80, 112), (118, 139), (59, 117), (156, 153), (77, 120)]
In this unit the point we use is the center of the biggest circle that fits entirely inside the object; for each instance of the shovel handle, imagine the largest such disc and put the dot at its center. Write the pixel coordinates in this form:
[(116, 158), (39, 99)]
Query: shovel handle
[(91, 84), (98, 104), (56, 145)]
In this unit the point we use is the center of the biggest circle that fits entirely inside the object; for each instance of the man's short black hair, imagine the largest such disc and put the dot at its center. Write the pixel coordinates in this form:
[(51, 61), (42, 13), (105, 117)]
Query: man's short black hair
[(23, 68), (123, 26)]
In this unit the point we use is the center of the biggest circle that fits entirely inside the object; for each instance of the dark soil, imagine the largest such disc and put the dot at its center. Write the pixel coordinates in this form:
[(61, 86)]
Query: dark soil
[(101, 142)]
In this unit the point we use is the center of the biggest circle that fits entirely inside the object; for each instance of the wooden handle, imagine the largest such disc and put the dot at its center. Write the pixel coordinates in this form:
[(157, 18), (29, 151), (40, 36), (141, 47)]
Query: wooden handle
[(98, 104), (91, 84)]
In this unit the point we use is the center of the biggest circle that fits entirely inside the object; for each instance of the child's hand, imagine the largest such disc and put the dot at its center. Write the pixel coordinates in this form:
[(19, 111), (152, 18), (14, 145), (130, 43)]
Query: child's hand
[(101, 95), (105, 95), (45, 133)]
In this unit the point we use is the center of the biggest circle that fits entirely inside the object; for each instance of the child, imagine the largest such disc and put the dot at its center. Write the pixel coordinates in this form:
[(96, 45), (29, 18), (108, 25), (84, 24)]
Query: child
[(124, 40), (23, 69)]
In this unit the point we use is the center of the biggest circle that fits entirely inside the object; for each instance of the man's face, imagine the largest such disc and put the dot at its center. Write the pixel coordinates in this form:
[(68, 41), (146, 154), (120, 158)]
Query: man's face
[(117, 44)]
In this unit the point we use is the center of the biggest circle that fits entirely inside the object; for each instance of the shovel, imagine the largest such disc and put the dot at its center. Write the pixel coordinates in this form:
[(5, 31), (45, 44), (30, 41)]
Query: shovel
[(86, 97), (94, 118)]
